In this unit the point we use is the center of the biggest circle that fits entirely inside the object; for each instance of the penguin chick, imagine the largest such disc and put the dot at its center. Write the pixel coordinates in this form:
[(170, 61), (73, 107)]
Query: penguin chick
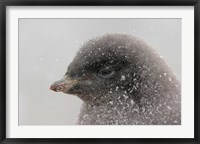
[(122, 81)]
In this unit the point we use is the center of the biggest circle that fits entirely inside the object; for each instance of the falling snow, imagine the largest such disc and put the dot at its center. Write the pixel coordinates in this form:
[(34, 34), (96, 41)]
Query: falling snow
[(41, 59), (123, 77)]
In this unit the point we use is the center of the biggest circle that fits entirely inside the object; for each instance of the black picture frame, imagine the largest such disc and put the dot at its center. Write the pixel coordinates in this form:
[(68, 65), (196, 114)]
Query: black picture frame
[(5, 3)]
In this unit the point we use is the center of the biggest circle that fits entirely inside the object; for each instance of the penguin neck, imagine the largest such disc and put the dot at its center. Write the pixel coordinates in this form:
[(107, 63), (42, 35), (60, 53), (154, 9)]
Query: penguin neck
[(113, 100)]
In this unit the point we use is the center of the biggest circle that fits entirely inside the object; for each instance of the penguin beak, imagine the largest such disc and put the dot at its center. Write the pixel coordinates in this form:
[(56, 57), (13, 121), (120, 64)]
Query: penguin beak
[(63, 85)]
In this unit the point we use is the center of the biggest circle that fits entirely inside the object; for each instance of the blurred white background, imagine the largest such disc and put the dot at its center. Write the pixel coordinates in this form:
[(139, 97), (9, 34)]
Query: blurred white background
[(47, 46)]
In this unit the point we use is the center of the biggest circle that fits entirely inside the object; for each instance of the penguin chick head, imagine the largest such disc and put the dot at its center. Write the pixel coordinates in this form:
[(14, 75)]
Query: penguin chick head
[(103, 67)]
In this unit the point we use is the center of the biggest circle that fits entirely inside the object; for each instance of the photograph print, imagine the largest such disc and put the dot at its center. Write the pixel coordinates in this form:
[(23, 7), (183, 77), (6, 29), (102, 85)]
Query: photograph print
[(100, 71)]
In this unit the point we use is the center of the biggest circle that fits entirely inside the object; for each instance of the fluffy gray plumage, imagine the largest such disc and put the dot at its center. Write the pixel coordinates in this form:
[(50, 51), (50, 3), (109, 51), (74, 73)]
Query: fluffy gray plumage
[(122, 81)]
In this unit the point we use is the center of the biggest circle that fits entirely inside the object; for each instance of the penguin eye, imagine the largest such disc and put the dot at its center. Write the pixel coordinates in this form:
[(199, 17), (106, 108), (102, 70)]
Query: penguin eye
[(106, 72)]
